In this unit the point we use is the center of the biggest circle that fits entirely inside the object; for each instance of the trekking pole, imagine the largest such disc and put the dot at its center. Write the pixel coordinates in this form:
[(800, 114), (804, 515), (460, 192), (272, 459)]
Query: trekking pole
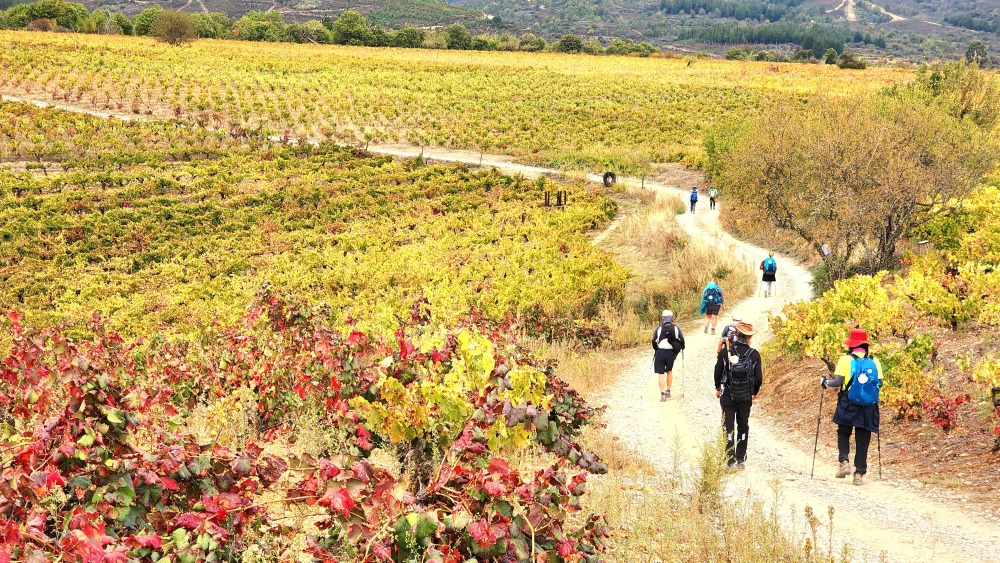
[(819, 418), (878, 436), (684, 373)]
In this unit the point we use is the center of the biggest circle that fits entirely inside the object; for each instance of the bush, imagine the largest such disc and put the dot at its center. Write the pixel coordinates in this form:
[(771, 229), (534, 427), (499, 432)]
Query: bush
[(408, 37), (351, 29), (850, 60), (568, 43), (175, 28), (458, 38), (143, 22)]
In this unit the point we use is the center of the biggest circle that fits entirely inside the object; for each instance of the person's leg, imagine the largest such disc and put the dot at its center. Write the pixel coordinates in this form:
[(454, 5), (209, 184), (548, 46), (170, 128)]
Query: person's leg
[(862, 439), (843, 449), (728, 422), (742, 429), (663, 381), (670, 380), (843, 442)]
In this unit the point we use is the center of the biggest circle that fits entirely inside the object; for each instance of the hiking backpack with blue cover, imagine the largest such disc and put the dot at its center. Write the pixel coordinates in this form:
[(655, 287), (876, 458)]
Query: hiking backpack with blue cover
[(713, 295), (770, 266), (862, 389)]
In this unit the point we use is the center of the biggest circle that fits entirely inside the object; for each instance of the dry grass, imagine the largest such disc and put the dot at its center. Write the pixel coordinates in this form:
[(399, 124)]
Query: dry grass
[(670, 269), (681, 515)]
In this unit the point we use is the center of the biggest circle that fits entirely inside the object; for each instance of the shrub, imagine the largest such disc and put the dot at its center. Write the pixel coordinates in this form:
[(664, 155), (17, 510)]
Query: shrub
[(351, 29), (458, 38), (143, 22), (175, 28), (568, 43), (408, 37), (852, 61)]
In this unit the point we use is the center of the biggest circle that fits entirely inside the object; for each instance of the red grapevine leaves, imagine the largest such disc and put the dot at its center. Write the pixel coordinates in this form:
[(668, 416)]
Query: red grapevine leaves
[(136, 487)]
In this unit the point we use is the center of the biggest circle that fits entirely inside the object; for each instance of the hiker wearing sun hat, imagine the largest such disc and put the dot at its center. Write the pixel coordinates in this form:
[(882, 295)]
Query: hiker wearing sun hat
[(858, 378), (668, 341), (738, 379)]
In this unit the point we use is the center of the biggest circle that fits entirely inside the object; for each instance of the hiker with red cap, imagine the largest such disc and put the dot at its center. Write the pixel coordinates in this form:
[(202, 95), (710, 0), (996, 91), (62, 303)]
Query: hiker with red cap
[(858, 378), (738, 378)]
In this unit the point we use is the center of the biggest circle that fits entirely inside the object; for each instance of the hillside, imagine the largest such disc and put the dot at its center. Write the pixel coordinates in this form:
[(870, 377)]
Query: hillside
[(916, 31), (390, 13)]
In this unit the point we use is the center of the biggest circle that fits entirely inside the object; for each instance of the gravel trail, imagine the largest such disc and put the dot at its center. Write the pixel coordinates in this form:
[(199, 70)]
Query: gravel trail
[(881, 519)]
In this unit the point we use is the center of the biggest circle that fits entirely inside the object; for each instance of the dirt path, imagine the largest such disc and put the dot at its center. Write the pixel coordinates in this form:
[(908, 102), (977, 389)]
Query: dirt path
[(875, 519), (880, 518)]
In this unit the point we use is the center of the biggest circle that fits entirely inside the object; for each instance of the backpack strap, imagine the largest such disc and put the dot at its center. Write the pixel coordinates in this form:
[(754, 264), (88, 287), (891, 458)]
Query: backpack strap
[(850, 375)]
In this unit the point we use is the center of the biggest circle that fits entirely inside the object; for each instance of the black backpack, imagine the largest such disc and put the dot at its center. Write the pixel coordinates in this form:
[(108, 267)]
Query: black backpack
[(669, 333), (741, 372)]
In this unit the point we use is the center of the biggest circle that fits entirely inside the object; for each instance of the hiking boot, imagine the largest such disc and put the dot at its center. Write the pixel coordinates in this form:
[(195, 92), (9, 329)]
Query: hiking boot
[(706, 328), (666, 394), (663, 396), (713, 330), (857, 479), (844, 471), (741, 466)]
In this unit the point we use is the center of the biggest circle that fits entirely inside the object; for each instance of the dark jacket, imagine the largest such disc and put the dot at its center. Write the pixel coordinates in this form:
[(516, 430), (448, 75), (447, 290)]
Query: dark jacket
[(722, 365)]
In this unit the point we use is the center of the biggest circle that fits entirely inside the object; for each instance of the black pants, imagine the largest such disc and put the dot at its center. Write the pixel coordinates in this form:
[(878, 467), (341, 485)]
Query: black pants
[(711, 203), (738, 414), (862, 438), (693, 203)]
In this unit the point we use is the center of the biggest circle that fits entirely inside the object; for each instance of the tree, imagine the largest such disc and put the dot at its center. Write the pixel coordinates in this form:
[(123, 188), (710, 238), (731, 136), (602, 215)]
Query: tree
[(855, 177), (173, 27), (977, 54), (144, 20), (68, 15), (123, 23), (568, 43), (531, 43), (261, 26), (352, 29), (830, 56), (214, 25), (408, 37), (593, 47), (459, 38)]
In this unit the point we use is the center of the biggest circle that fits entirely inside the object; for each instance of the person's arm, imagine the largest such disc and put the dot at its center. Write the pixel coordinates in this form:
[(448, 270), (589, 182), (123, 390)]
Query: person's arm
[(655, 331), (758, 374), (680, 338), (720, 366), (841, 374), (761, 265)]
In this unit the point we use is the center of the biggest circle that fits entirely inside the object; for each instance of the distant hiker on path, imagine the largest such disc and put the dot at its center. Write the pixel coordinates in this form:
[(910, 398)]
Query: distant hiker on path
[(728, 333), (711, 303), (694, 197), (858, 380), (712, 194), (668, 341), (738, 378), (770, 267)]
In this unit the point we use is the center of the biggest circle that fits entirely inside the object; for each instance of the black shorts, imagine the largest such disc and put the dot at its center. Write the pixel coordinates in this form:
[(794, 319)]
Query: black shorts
[(712, 308), (663, 361)]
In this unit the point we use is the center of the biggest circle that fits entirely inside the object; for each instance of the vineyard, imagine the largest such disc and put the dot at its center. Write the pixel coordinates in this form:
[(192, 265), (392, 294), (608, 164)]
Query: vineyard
[(126, 210), (574, 112), (224, 343)]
